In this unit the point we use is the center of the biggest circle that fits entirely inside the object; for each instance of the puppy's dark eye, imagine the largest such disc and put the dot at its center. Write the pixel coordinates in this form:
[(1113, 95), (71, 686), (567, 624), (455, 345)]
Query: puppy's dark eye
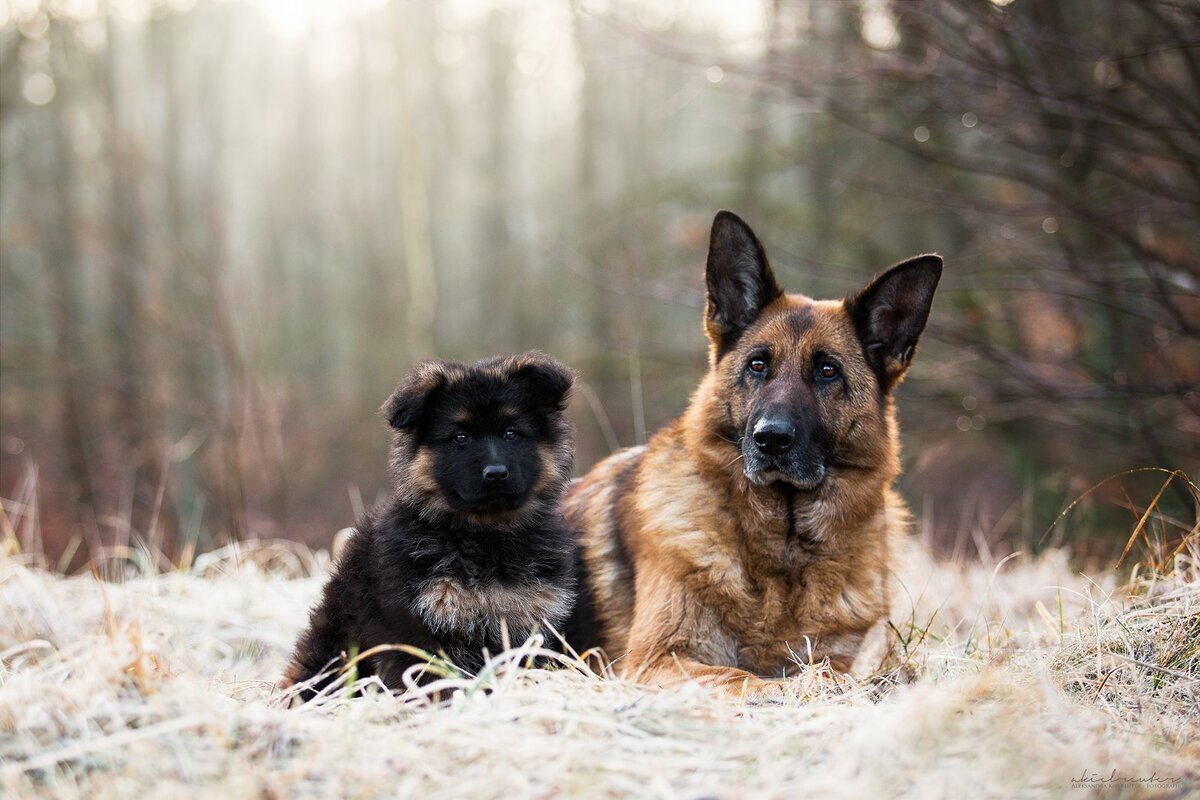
[(758, 366), (828, 372), (461, 437), (510, 434)]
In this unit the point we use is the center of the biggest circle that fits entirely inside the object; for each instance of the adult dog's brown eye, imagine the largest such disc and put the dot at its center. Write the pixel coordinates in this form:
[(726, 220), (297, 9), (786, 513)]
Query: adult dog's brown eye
[(758, 366), (827, 372), (510, 434), (461, 437)]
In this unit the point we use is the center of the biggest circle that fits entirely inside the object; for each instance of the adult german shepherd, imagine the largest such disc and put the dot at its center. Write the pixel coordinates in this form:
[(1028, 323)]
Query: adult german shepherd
[(755, 531)]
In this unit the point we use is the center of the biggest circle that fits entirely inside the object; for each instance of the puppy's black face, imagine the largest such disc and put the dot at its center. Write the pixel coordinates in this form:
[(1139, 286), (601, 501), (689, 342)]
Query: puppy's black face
[(484, 436), (486, 441)]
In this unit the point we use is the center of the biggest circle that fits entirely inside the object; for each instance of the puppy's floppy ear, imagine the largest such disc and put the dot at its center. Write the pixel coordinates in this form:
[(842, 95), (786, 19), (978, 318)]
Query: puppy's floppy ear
[(890, 313), (739, 278), (549, 381), (406, 407)]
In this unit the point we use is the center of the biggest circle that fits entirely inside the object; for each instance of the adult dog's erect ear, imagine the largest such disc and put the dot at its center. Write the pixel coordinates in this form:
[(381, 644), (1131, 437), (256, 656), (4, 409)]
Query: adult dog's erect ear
[(405, 408), (740, 281), (890, 313), (549, 380)]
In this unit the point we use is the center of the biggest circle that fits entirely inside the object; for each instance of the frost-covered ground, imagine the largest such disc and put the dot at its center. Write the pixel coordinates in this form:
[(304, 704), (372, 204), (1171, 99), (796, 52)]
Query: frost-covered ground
[(997, 680)]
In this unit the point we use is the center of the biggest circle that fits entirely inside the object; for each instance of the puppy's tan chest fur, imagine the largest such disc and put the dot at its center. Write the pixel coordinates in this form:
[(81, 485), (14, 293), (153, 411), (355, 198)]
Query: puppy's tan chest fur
[(449, 604)]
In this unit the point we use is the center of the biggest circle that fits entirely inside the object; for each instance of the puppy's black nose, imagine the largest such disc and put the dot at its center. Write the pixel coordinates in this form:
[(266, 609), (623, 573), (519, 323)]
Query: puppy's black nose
[(495, 472), (774, 436)]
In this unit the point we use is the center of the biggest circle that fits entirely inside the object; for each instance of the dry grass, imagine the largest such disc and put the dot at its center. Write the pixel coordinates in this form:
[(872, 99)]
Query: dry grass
[(997, 680)]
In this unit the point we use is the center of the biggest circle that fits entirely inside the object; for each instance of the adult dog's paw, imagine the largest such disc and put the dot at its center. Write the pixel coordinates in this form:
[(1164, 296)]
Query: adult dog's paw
[(759, 692)]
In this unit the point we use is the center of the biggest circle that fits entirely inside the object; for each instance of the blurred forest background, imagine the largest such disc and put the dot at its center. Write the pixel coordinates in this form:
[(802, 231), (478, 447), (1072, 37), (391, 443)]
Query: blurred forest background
[(227, 228)]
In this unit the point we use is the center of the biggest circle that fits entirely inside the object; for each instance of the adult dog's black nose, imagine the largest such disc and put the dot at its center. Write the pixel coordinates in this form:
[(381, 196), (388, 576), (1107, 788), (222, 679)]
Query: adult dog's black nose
[(495, 472), (774, 436)]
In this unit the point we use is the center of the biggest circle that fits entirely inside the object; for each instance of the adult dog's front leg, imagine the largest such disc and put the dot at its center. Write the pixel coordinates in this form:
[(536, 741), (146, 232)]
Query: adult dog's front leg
[(666, 670), (675, 640)]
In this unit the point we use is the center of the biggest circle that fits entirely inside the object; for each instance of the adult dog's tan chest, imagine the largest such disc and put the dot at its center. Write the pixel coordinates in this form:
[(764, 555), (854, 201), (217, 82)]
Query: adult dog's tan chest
[(773, 596), (810, 610)]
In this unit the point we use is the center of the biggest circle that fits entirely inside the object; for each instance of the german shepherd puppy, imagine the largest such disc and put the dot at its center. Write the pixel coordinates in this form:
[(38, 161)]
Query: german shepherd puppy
[(755, 531), (471, 542)]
